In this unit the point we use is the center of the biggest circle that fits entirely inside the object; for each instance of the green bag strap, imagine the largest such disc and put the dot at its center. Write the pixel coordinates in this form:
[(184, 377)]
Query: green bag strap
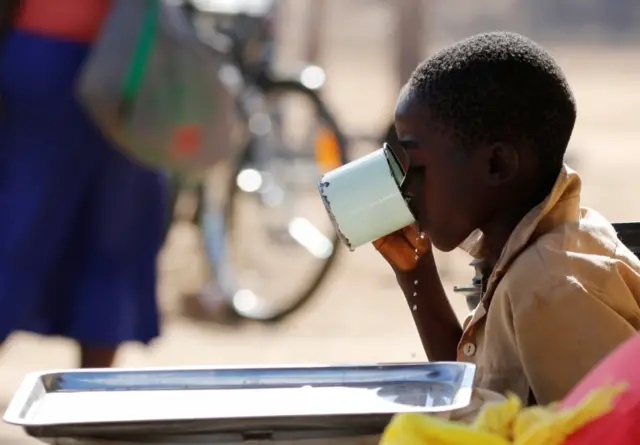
[(140, 59)]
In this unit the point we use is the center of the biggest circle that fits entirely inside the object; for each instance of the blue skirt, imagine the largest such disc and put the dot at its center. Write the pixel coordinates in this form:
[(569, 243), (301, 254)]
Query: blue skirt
[(80, 225)]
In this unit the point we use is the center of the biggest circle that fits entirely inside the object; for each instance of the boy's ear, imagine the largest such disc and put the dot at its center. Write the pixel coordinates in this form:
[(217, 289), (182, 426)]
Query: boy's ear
[(502, 162)]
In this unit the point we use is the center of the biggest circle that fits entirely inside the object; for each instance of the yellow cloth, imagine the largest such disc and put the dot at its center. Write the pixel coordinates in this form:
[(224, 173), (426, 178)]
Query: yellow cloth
[(504, 423)]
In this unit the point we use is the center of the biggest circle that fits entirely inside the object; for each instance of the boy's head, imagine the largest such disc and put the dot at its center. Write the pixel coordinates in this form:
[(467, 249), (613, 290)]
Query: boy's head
[(485, 124)]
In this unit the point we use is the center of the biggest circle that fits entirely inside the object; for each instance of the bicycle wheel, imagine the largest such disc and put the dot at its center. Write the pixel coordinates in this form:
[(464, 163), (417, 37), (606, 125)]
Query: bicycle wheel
[(276, 244)]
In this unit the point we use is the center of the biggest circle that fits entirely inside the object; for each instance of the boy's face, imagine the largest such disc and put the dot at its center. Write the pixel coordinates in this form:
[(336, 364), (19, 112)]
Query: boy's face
[(448, 185)]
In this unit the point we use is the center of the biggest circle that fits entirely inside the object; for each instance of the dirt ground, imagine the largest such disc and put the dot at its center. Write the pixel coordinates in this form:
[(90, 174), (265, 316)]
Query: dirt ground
[(360, 315)]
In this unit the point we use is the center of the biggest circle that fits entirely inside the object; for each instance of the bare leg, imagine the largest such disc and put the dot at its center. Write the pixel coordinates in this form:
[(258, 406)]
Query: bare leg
[(209, 304), (96, 357), (91, 357)]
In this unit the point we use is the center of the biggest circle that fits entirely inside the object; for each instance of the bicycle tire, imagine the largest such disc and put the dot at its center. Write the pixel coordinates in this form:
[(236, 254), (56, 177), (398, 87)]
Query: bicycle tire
[(276, 315)]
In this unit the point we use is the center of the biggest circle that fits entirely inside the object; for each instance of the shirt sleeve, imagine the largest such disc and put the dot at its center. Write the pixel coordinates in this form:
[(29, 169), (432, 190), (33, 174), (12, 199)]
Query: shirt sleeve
[(561, 336)]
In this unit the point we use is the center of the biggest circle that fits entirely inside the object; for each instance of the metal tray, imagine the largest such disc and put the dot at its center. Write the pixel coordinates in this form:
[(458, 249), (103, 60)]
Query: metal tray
[(256, 403)]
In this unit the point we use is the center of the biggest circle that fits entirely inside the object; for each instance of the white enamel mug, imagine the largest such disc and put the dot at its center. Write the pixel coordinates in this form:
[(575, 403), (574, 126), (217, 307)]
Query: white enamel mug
[(364, 200)]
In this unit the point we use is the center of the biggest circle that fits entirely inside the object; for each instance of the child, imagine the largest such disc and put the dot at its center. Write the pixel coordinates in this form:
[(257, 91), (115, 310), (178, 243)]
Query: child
[(485, 124)]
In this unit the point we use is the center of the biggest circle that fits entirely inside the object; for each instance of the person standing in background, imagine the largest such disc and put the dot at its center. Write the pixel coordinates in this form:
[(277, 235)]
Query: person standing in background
[(81, 225)]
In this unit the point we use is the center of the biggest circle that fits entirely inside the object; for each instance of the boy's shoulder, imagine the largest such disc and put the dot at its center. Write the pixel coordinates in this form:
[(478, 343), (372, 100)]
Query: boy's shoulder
[(585, 256)]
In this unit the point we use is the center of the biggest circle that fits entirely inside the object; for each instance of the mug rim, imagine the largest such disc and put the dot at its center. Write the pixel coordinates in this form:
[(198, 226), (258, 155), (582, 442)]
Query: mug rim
[(386, 147)]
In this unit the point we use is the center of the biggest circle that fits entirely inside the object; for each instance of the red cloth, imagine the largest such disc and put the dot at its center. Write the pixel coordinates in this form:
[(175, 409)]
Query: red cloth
[(622, 425), (75, 20)]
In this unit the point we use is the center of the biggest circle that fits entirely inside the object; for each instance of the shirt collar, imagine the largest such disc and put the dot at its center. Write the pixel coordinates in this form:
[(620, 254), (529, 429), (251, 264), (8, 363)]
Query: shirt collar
[(562, 204)]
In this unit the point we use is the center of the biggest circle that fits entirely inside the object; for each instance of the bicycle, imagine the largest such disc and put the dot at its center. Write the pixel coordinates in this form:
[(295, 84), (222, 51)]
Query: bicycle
[(269, 171)]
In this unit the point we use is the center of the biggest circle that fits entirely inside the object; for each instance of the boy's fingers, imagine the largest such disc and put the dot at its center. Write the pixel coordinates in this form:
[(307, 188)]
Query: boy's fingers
[(397, 250), (418, 240), (390, 242)]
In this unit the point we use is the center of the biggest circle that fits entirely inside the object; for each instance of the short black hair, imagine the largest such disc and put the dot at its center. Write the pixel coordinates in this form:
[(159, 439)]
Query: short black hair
[(499, 87)]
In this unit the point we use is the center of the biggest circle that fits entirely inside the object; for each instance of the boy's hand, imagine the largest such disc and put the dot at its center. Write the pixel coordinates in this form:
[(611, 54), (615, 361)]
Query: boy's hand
[(404, 248)]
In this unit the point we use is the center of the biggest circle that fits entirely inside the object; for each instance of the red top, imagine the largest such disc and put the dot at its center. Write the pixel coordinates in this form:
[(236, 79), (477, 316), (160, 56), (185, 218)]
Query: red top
[(77, 20)]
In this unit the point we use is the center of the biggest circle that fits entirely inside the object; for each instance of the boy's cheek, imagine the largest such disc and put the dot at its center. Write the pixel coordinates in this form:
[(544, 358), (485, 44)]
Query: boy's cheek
[(412, 186)]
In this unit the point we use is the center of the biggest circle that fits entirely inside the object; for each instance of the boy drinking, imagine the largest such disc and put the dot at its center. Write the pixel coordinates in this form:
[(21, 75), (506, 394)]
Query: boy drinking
[(485, 124)]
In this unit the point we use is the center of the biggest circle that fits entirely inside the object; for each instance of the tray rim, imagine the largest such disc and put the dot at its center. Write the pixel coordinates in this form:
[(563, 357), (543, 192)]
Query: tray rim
[(33, 382)]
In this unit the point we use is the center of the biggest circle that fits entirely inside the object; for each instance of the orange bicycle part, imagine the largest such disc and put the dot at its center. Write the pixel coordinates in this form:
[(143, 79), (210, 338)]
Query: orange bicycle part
[(327, 150)]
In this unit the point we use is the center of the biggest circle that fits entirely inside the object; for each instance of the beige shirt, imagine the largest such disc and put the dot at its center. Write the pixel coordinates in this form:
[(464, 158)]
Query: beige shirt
[(564, 293)]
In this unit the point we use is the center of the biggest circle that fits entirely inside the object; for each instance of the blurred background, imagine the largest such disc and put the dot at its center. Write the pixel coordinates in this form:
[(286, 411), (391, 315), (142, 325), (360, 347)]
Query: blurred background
[(358, 313)]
